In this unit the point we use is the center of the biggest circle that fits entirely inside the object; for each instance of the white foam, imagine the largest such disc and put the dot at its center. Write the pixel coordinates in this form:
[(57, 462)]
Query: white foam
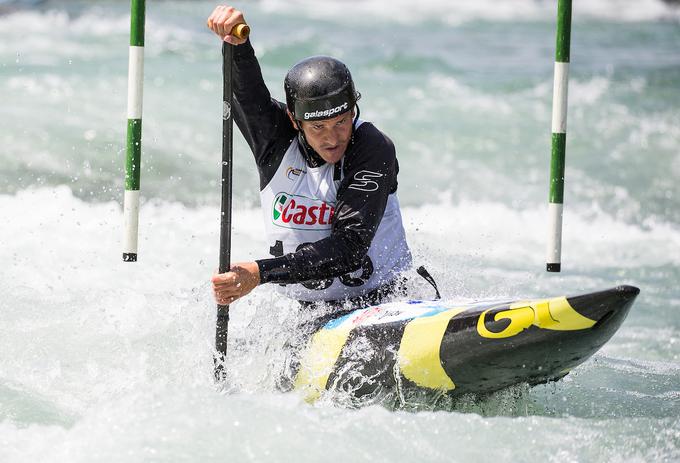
[(48, 87), (466, 98), (66, 246), (516, 237), (117, 356), (79, 238), (48, 37)]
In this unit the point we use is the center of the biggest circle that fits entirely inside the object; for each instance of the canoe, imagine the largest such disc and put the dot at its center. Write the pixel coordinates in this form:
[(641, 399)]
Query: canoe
[(455, 348)]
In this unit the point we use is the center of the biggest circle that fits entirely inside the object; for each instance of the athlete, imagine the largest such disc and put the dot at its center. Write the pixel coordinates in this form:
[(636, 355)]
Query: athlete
[(328, 183)]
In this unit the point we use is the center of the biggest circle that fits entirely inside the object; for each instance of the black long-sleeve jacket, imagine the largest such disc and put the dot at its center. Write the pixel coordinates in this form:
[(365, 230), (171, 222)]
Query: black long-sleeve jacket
[(265, 125)]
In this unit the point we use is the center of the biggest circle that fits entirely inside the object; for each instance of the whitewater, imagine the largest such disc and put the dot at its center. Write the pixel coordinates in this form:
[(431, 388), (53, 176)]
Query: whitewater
[(102, 360)]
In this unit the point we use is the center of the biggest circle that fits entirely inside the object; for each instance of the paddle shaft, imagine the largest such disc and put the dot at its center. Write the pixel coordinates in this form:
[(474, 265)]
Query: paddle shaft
[(225, 221)]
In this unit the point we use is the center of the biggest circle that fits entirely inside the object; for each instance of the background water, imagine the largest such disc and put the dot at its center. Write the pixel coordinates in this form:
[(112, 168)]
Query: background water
[(106, 361)]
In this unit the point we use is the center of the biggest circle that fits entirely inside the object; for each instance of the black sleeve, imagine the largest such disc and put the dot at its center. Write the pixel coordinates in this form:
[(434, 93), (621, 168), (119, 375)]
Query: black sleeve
[(370, 168), (262, 120)]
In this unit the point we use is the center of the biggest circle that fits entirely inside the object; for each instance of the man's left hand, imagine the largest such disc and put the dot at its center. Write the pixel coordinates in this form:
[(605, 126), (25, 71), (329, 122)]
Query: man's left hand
[(236, 283)]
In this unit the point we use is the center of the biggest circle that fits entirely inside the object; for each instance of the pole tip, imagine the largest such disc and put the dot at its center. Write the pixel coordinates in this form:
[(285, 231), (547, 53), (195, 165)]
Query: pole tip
[(129, 257), (554, 267)]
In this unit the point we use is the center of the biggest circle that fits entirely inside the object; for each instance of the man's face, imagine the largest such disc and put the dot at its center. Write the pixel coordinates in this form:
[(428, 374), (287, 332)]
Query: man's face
[(329, 137)]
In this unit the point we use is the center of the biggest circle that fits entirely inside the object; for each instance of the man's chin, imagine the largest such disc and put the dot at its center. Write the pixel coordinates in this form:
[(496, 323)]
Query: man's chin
[(332, 156), (335, 159)]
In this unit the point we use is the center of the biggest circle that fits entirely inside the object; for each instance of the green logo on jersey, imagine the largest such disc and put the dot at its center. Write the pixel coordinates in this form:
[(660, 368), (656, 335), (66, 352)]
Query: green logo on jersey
[(279, 202)]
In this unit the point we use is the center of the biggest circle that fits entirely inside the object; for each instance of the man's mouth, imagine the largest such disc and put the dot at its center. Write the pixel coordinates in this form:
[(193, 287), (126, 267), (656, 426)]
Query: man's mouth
[(332, 148)]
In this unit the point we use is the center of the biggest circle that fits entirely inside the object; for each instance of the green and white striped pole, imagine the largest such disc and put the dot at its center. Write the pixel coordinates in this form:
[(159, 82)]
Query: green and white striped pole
[(559, 136), (134, 130)]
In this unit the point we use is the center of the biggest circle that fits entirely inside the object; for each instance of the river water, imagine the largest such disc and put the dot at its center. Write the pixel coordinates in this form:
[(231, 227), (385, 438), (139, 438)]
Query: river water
[(102, 360)]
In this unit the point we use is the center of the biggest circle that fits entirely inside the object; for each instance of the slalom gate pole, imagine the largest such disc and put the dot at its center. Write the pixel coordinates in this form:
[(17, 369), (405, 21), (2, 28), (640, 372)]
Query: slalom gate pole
[(559, 136), (134, 130), (222, 326)]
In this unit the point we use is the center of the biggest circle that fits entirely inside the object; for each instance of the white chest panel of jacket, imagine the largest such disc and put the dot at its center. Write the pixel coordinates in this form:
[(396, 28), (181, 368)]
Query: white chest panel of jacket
[(298, 205)]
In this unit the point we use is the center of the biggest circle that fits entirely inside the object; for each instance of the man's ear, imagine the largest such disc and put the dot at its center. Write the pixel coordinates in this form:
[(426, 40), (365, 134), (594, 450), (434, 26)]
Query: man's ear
[(292, 119)]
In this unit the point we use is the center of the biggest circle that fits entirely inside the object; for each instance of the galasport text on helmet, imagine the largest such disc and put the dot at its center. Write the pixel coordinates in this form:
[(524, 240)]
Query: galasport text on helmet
[(319, 87)]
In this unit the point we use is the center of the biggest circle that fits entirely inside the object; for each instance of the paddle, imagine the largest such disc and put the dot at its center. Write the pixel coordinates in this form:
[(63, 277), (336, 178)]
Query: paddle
[(240, 31)]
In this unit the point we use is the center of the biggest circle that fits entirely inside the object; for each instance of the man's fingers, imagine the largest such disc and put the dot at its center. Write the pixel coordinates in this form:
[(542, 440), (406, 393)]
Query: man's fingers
[(231, 17), (224, 20), (226, 300), (228, 290), (221, 279), (213, 18), (240, 280), (227, 297), (209, 21)]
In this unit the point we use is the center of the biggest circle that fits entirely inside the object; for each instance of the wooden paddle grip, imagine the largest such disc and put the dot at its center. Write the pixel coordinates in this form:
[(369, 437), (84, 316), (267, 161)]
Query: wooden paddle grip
[(241, 31)]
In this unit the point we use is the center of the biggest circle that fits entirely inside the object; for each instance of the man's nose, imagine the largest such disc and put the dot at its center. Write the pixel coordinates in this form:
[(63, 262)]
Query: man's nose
[(331, 137), (337, 134)]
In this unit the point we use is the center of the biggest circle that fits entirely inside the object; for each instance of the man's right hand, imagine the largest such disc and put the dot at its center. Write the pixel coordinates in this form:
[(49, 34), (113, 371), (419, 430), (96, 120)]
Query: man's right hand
[(241, 279), (222, 20)]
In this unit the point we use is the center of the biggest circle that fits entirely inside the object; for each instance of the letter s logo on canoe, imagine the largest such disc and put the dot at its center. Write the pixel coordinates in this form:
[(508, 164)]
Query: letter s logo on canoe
[(363, 181)]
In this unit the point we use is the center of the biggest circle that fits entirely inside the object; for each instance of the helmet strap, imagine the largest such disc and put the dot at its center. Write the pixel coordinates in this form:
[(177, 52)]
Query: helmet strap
[(311, 156)]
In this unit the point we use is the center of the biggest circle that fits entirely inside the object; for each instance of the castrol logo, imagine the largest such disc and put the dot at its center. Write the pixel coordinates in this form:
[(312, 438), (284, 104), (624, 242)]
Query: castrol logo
[(301, 213)]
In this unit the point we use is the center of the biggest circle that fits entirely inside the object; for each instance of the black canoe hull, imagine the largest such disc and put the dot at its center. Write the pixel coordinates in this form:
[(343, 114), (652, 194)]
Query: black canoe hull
[(457, 349)]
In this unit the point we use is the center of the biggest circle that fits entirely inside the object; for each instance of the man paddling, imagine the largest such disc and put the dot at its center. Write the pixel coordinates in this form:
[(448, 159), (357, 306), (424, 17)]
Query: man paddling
[(328, 183)]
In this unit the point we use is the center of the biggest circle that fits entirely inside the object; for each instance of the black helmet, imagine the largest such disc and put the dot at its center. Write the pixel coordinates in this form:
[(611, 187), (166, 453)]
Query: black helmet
[(319, 87)]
